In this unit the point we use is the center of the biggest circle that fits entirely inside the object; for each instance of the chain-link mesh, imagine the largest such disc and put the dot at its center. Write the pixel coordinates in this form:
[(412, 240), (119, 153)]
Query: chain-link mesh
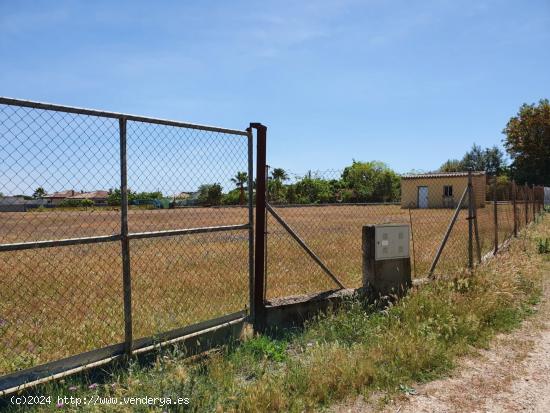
[(55, 302), (183, 280), (60, 229), (328, 213), (327, 210), (177, 281), (62, 220)]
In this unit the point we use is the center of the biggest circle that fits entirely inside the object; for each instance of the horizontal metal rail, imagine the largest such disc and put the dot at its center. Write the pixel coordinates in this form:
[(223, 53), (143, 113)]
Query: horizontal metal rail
[(56, 369), (58, 242), (337, 204), (115, 115), (187, 231), (109, 238)]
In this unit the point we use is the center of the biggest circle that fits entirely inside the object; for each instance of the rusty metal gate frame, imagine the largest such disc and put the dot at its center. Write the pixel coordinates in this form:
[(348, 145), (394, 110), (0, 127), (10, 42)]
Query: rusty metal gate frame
[(28, 377)]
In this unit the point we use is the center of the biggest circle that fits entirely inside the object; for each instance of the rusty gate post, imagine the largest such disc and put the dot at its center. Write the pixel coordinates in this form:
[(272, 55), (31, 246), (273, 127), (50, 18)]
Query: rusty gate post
[(514, 208), (541, 200), (250, 204), (495, 210), (470, 223), (533, 203), (125, 242), (536, 199), (526, 202), (257, 306)]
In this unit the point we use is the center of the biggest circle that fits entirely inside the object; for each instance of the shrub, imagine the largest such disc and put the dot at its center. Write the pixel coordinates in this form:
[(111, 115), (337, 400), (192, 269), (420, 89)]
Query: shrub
[(76, 203), (543, 245)]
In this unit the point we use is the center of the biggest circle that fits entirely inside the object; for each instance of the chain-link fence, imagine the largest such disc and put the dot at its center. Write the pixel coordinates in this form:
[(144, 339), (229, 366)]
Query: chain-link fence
[(327, 210), (118, 231), (116, 227)]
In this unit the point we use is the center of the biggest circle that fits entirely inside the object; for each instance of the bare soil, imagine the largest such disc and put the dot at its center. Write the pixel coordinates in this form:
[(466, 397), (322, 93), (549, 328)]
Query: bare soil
[(512, 375)]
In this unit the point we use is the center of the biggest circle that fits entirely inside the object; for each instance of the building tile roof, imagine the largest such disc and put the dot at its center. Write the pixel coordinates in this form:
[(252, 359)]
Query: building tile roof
[(441, 175), (91, 195), (62, 194)]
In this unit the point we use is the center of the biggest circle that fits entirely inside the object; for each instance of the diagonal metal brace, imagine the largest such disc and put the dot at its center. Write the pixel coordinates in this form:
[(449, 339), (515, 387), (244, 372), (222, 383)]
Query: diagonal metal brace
[(447, 233), (302, 244)]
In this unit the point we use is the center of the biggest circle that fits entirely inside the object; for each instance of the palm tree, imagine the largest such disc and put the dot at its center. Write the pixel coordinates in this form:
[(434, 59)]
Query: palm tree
[(240, 179), (39, 192), (275, 187), (279, 174)]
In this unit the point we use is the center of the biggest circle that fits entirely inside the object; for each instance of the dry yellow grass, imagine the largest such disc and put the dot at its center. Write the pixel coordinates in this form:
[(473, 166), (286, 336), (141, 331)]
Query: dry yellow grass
[(56, 302)]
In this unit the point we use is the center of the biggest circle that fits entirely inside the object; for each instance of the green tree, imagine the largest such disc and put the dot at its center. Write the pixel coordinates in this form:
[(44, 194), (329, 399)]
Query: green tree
[(474, 159), (311, 190), (39, 192), (451, 165), (210, 194), (370, 182), (279, 174), (114, 197), (240, 179), (528, 143), (491, 160), (147, 195), (233, 197), (276, 188), (495, 163)]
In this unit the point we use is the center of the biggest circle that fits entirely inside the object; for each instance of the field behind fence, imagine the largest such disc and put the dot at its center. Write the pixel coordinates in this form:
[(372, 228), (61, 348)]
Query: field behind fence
[(158, 252)]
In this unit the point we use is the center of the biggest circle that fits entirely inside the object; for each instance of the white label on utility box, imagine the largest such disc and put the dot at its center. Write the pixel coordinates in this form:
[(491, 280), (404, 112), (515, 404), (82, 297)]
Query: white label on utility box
[(391, 241)]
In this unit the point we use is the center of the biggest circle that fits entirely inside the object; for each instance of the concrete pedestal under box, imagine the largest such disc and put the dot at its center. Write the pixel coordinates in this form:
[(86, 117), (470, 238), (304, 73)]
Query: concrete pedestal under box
[(386, 261)]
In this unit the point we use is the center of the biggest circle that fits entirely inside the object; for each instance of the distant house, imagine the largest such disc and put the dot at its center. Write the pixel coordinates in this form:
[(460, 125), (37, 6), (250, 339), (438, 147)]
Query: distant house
[(186, 199), (440, 190), (97, 197), (184, 195), (57, 197)]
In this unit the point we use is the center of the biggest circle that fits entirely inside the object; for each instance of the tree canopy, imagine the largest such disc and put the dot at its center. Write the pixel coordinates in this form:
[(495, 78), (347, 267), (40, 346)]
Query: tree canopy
[(528, 143), (491, 160), (359, 182), (370, 182), (39, 192), (239, 180), (210, 194)]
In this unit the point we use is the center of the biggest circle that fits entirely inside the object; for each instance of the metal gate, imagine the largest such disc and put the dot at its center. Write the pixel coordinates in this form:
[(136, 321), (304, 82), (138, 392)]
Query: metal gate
[(116, 233)]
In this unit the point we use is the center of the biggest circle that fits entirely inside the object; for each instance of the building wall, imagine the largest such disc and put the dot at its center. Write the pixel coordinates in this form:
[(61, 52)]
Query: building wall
[(409, 190)]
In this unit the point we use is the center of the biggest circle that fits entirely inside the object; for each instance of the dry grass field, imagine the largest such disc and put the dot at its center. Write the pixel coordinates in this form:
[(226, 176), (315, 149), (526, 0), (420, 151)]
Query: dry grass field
[(56, 302)]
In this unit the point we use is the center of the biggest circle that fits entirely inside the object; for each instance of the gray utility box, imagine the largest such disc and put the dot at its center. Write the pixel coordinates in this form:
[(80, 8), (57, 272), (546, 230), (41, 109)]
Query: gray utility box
[(386, 261)]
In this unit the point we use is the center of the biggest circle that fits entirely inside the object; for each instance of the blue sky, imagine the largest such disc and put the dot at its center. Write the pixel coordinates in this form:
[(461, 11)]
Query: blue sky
[(408, 83)]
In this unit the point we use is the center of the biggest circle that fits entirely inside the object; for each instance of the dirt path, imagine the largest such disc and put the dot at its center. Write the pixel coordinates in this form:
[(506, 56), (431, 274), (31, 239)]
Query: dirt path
[(512, 376)]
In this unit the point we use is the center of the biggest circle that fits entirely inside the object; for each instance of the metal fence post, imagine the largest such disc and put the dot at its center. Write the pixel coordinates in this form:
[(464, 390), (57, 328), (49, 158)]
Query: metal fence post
[(125, 242), (536, 199), (258, 303), (250, 217), (533, 202), (266, 229), (514, 208), (495, 211), (470, 223), (526, 202)]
